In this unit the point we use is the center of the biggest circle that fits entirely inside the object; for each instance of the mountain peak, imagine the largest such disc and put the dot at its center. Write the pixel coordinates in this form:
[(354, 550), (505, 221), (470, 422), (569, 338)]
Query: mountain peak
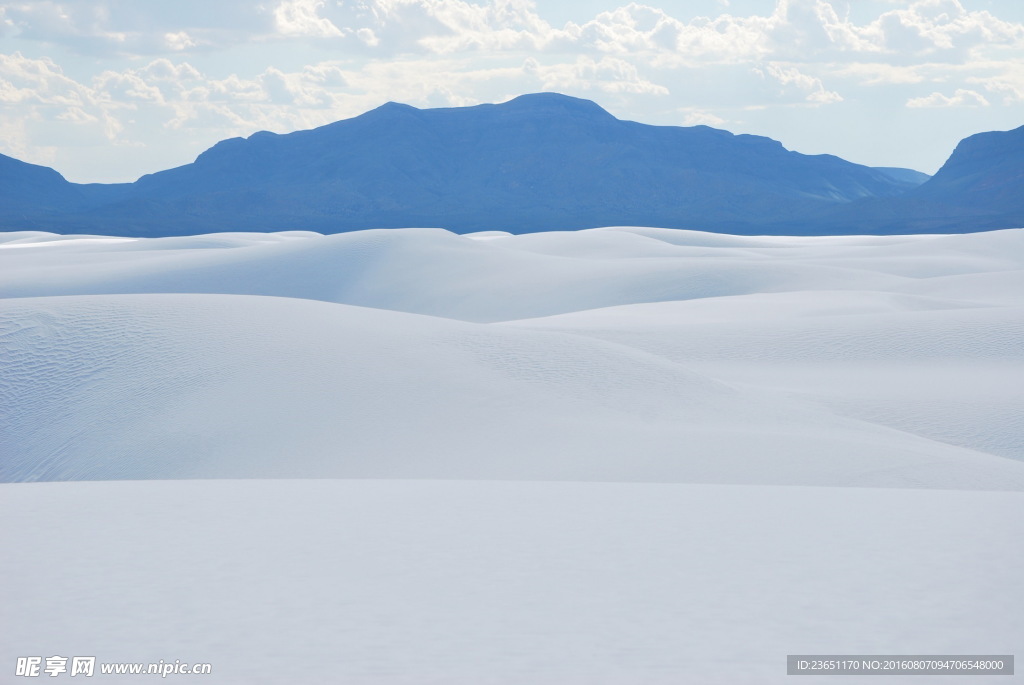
[(540, 103), (392, 107), (556, 102)]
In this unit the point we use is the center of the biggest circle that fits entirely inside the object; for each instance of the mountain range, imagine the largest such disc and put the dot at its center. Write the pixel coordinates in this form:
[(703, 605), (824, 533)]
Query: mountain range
[(538, 162)]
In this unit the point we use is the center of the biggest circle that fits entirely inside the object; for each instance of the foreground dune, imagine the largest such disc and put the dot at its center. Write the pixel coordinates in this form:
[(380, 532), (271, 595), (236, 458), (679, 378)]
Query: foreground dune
[(408, 582)]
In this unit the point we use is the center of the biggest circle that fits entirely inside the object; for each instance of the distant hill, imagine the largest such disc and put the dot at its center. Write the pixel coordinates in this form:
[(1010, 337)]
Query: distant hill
[(980, 187), (538, 162)]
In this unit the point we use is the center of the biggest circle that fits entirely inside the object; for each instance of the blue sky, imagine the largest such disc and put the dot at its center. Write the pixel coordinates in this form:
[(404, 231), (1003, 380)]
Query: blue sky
[(108, 90)]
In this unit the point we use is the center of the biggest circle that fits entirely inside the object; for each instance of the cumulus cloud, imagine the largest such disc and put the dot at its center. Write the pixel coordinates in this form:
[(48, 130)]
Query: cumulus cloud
[(302, 18), (1003, 80), (179, 41), (41, 92), (496, 25), (608, 74), (699, 117), (28, 81), (368, 36), (794, 30), (961, 98), (812, 86), (943, 26), (1010, 93), (163, 69), (880, 73)]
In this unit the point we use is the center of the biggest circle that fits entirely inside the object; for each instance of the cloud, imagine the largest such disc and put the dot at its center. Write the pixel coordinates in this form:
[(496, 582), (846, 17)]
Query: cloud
[(368, 36), (179, 41), (496, 25), (1004, 80), (795, 30), (42, 93), (16, 140), (934, 27), (132, 27), (961, 98), (163, 69), (813, 28), (790, 79), (27, 81), (1010, 93), (699, 117), (608, 74), (125, 88), (880, 73), (302, 18)]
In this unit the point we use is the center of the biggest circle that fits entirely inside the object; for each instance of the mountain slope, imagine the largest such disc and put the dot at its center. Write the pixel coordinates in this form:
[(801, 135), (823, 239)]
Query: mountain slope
[(28, 190), (984, 169), (980, 187)]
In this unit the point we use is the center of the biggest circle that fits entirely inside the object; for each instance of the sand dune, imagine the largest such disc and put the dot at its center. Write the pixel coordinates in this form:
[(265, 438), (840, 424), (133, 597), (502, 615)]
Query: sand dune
[(201, 386), (658, 355), (434, 272), (552, 458)]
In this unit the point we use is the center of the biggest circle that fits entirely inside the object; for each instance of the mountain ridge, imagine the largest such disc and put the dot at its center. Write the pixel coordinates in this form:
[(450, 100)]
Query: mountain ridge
[(542, 161)]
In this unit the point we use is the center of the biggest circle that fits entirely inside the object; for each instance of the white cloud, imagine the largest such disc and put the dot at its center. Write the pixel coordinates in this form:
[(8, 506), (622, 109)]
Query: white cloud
[(812, 28), (1009, 92), (937, 26), (458, 26), (368, 36), (699, 117), (609, 74), (791, 79), (125, 88), (28, 81), (16, 140), (179, 41), (133, 27), (163, 69), (795, 30), (302, 18), (1004, 80), (961, 98), (326, 74), (76, 115), (880, 73)]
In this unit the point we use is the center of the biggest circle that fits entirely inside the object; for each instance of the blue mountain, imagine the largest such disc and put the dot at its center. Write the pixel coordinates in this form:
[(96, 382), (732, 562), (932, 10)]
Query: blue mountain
[(538, 162)]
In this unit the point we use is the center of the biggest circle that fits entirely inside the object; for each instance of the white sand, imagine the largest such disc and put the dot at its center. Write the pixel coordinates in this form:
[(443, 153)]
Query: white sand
[(613, 456)]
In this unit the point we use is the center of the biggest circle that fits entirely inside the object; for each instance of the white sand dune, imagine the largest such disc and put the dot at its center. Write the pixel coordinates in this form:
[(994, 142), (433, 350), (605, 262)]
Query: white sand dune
[(555, 459), (434, 272), (215, 386), (945, 369), (658, 355)]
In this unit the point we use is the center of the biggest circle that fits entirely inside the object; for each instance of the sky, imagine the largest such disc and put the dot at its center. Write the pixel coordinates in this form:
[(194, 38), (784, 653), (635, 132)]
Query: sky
[(109, 90)]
